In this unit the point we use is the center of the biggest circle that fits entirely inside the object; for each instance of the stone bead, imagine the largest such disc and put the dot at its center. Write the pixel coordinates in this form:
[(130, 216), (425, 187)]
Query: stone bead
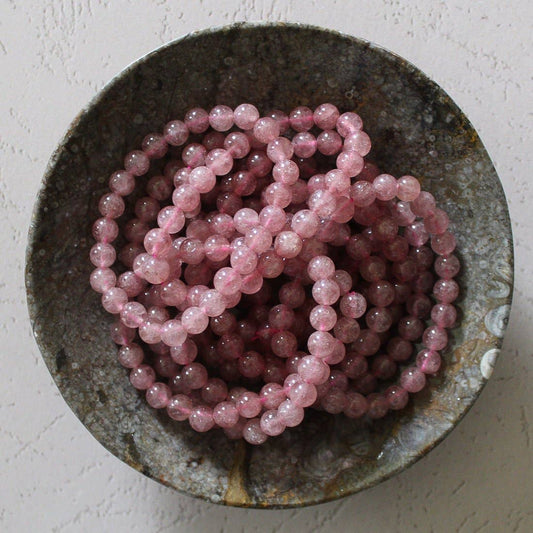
[(350, 162), (291, 413), (385, 187), (142, 377), (353, 305), (221, 118), (349, 123), (325, 292), (225, 414), (358, 141), (313, 370), (130, 356), (252, 432), (158, 395), (329, 142), (176, 133), (356, 405), (446, 290), (266, 129), (137, 163), (412, 380), (444, 315), (248, 404), (304, 144), (245, 116), (326, 116), (197, 120), (201, 419)]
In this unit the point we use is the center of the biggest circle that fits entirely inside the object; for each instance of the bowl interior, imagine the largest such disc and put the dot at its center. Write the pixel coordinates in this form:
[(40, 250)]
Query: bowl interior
[(416, 129)]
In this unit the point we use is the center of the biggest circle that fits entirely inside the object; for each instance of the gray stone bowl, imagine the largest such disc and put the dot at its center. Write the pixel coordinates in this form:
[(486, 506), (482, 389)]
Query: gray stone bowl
[(416, 128)]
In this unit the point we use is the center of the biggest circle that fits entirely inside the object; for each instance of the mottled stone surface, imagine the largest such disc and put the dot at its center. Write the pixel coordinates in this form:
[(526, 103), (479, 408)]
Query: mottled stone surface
[(416, 128)]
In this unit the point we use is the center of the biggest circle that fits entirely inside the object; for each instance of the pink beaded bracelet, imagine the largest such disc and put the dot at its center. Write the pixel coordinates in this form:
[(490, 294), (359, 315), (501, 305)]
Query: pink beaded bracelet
[(266, 259)]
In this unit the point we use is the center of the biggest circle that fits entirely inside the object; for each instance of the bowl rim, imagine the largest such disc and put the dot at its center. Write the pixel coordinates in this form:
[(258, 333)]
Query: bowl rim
[(48, 175)]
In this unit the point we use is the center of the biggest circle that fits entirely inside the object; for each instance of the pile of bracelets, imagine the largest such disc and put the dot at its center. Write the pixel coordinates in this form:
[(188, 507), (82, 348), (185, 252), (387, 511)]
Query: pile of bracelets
[(269, 268)]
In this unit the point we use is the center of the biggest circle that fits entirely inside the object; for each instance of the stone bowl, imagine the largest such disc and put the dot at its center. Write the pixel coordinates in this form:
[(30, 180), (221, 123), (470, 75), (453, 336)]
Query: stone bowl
[(416, 128)]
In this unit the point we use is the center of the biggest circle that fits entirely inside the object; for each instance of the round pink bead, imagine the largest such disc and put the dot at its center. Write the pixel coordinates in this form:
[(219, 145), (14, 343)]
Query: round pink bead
[(350, 162), (288, 244), (334, 401), (219, 161), (194, 320), (323, 203), (201, 419), (111, 205), (142, 377), (173, 333), (266, 129), (444, 315), (356, 405), (301, 119), (103, 279), (245, 116), (304, 144), (321, 343), (221, 118), (154, 145), (158, 395), (194, 376), (214, 391), (447, 267), (286, 172), (227, 281), (303, 394), (323, 317), (197, 120), (446, 290), (271, 423), (291, 413), (137, 163), (408, 188), (176, 133), (346, 329), (313, 370), (320, 267), (280, 149), (114, 299), (252, 432), (443, 244), (130, 356), (326, 116), (325, 292), (437, 223), (225, 414), (122, 183), (349, 123), (329, 142), (435, 338), (202, 179), (428, 361), (179, 407), (237, 144), (423, 205), (258, 239), (358, 141), (248, 404), (412, 379), (385, 187)]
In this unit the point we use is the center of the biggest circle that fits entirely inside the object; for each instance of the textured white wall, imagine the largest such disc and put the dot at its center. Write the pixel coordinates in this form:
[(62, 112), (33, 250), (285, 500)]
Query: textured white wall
[(55, 55)]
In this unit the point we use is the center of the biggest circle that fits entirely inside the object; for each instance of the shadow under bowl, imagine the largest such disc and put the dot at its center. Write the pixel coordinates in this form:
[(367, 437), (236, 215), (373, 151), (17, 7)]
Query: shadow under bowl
[(416, 129)]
